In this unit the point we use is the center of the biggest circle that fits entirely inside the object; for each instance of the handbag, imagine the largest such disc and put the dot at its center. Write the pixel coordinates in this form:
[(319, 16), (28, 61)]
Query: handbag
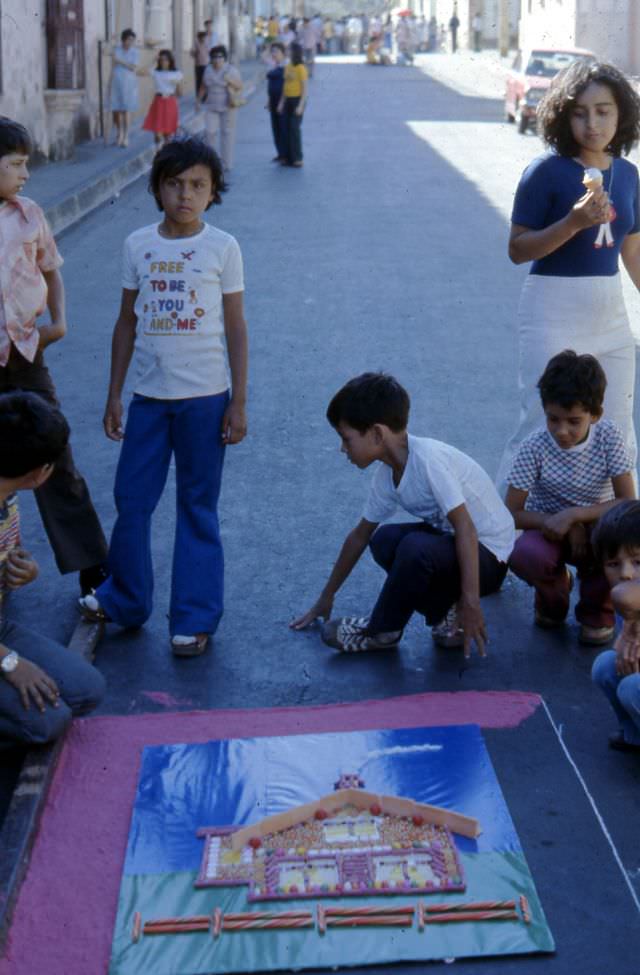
[(236, 98)]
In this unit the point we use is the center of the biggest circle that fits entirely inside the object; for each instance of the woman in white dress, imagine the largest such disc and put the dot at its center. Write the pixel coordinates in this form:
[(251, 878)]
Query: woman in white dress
[(124, 85)]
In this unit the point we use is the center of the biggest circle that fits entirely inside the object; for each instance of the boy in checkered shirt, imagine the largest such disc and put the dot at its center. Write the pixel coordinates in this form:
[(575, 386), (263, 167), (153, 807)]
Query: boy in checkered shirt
[(563, 479)]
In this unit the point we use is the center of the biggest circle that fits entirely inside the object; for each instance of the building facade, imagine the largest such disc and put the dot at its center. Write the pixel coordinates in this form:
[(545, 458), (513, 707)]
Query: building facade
[(609, 28), (55, 59)]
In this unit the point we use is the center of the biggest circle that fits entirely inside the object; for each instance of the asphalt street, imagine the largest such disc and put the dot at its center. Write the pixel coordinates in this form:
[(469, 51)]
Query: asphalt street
[(387, 251)]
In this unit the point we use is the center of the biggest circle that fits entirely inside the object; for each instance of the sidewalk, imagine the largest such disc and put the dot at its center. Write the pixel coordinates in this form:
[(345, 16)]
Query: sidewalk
[(67, 191), (478, 74)]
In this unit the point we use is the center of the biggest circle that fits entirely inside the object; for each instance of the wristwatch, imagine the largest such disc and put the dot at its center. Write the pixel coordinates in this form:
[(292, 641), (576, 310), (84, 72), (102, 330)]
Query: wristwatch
[(9, 662)]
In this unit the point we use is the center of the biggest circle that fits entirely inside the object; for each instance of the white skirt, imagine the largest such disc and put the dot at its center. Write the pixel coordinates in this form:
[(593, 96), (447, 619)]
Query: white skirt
[(584, 314)]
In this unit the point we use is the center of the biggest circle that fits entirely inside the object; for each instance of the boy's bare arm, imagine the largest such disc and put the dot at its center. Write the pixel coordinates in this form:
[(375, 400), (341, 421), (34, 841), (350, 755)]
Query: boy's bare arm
[(57, 329), (466, 538), (626, 600), (555, 527), (515, 501), (124, 334), (234, 422), (352, 548)]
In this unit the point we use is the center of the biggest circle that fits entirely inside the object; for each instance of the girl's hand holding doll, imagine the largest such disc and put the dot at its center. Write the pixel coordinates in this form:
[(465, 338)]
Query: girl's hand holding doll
[(591, 209)]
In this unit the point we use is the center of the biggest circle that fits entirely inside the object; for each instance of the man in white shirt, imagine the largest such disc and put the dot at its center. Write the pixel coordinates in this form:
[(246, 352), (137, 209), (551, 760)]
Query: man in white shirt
[(457, 551)]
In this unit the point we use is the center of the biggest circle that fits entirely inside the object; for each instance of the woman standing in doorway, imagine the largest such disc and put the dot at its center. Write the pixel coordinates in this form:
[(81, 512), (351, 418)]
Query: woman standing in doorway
[(574, 235), (124, 85), (221, 85)]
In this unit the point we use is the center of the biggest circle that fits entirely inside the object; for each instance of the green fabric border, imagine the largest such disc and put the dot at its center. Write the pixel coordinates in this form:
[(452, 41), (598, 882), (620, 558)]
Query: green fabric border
[(490, 876)]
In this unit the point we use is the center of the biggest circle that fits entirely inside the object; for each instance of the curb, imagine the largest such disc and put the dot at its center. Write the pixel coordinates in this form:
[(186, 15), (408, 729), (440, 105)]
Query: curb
[(94, 192), (29, 796)]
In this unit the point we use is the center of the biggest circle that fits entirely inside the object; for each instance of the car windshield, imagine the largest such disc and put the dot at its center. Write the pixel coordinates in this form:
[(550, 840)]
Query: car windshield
[(546, 64)]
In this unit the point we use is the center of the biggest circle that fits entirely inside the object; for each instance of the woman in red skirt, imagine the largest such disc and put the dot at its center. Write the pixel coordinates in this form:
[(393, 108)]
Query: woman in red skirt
[(162, 117)]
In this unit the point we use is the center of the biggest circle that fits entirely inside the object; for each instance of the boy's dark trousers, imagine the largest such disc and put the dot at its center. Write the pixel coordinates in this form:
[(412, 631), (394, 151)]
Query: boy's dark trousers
[(65, 505), (277, 127), (423, 574), (292, 133), (542, 564)]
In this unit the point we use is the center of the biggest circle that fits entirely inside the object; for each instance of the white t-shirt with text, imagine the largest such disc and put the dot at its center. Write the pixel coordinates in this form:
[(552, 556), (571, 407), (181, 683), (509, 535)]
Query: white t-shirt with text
[(438, 478), (180, 345)]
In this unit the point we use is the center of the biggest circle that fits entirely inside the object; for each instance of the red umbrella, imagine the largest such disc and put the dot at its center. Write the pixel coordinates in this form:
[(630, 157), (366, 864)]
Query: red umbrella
[(405, 13)]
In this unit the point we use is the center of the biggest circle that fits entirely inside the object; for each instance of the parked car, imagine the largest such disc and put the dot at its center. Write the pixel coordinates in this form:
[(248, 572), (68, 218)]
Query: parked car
[(530, 75)]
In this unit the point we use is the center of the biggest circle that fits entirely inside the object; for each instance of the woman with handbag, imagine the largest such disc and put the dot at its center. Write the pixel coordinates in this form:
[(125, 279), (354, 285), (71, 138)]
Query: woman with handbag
[(221, 93)]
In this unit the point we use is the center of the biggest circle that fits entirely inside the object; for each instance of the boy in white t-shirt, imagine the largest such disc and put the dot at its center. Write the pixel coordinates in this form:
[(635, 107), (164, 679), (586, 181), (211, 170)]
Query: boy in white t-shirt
[(457, 552), (562, 480), (182, 309)]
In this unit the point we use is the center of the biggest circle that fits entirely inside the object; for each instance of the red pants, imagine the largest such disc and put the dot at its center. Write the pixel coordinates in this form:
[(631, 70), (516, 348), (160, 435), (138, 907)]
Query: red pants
[(542, 564)]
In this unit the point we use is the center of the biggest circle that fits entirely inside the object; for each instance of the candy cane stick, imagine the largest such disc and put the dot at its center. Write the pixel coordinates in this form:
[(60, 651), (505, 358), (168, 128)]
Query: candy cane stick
[(322, 919), (471, 906), (420, 916), (524, 907), (256, 915), (216, 923), (137, 927), (195, 919), (366, 911), (267, 924), (174, 928), (381, 920), (471, 916)]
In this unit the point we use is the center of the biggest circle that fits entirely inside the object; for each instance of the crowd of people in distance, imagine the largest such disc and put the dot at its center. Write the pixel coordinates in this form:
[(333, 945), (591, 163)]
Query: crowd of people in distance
[(383, 39)]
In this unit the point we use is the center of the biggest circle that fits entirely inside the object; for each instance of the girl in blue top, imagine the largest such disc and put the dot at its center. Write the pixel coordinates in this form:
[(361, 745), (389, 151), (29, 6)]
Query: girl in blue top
[(572, 297)]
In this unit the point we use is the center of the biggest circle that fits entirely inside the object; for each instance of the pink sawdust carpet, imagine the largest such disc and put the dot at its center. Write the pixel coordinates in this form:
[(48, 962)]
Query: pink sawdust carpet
[(63, 922)]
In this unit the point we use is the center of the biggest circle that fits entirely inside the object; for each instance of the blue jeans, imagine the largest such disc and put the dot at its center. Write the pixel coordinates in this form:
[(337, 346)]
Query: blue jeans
[(191, 431), (623, 694), (81, 687)]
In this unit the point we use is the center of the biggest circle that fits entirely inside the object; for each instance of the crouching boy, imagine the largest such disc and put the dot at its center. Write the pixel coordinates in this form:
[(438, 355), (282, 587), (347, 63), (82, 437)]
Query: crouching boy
[(616, 541), (42, 684), (457, 551), (563, 479)]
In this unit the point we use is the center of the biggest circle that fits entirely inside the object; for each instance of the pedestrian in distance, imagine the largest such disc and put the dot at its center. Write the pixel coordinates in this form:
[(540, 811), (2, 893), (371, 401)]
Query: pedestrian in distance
[(309, 44), (457, 551), (30, 282), (275, 85), (563, 479), (292, 105), (454, 24), (616, 540), (163, 115), (476, 27), (124, 85), (42, 683), (221, 88), (572, 297), (200, 53), (181, 314)]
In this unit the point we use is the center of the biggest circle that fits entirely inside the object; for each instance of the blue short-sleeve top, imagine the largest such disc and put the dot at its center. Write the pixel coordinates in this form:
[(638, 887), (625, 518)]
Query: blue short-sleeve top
[(550, 187)]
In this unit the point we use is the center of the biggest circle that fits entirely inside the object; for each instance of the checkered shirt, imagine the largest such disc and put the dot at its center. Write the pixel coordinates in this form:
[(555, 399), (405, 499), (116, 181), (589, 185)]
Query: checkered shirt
[(27, 248), (577, 477), (9, 538)]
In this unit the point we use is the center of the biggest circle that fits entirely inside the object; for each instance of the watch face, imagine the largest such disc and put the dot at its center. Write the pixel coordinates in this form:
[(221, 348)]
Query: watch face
[(9, 662)]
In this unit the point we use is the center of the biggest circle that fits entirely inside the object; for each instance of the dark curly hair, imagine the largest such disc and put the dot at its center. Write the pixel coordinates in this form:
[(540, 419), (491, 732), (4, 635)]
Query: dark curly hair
[(181, 154), (373, 397), (571, 379), (557, 106), (33, 433), (619, 528)]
